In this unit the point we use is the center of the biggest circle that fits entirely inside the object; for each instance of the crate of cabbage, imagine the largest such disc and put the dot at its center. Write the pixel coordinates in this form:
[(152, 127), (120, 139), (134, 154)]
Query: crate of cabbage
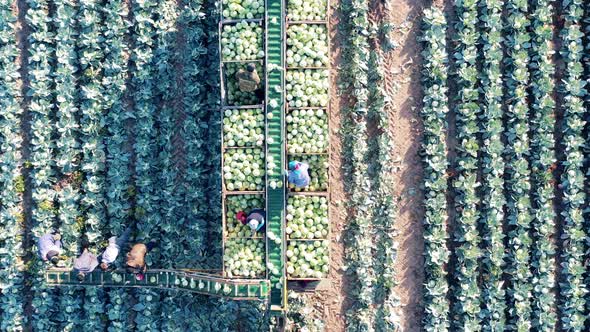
[(307, 131), (308, 260), (243, 128), (242, 9), (307, 46), (307, 217), (231, 93), (233, 204), (243, 169), (244, 257), (243, 254), (307, 10), (242, 41), (307, 88)]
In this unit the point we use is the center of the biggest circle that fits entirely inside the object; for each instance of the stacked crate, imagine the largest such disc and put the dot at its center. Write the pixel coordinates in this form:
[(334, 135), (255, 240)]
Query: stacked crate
[(307, 135), (243, 138)]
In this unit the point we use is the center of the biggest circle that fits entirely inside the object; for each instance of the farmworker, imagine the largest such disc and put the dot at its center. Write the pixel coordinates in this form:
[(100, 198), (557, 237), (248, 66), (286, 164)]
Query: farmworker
[(50, 247), (136, 259), (254, 220), (298, 174), (85, 264), (248, 80), (112, 250)]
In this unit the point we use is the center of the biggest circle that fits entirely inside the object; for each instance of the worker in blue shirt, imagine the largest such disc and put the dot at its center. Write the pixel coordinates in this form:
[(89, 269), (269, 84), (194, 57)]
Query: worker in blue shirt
[(298, 174), (50, 247)]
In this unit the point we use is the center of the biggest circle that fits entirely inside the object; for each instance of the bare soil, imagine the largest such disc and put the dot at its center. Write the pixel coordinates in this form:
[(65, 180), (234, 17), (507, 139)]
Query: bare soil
[(402, 72)]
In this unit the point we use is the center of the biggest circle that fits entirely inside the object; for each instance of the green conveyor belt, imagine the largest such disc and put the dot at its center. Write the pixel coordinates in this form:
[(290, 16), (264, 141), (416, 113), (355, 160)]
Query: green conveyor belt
[(239, 289), (275, 200)]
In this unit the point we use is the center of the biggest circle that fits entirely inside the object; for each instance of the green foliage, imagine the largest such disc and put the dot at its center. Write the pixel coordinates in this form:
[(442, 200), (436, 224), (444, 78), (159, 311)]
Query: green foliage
[(544, 317), (146, 150), (518, 43), (572, 286), (12, 183), (494, 200), (358, 237), (434, 110), (466, 290)]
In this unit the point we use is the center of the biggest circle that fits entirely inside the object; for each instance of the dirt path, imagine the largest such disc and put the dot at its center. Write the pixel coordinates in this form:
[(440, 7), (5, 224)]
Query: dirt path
[(330, 304), (403, 76), (402, 71)]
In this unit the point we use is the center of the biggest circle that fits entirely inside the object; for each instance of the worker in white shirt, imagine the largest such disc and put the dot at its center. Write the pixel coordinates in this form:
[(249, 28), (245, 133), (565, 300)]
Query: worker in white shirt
[(112, 250), (50, 247)]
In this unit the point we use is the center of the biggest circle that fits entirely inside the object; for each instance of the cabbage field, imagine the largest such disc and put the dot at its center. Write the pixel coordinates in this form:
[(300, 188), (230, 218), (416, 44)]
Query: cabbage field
[(112, 116), (447, 144), (505, 155)]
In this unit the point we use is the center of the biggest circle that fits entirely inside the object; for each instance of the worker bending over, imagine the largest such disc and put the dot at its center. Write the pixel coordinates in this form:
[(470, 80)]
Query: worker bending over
[(136, 259), (298, 174), (50, 247), (249, 81), (254, 220), (85, 264), (112, 250)]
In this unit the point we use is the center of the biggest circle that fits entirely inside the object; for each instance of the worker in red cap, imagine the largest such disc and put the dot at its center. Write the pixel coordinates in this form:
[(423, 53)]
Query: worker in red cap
[(136, 259), (254, 220)]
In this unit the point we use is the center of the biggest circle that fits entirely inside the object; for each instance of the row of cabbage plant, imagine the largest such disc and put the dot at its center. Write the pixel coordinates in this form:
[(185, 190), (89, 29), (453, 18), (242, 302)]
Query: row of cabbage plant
[(542, 162), (170, 202), (573, 288), (119, 176), (494, 199), (466, 292), (518, 184), (12, 314), (434, 155), (165, 92), (92, 125), (68, 152), (358, 235), (193, 133), (41, 104), (147, 199)]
